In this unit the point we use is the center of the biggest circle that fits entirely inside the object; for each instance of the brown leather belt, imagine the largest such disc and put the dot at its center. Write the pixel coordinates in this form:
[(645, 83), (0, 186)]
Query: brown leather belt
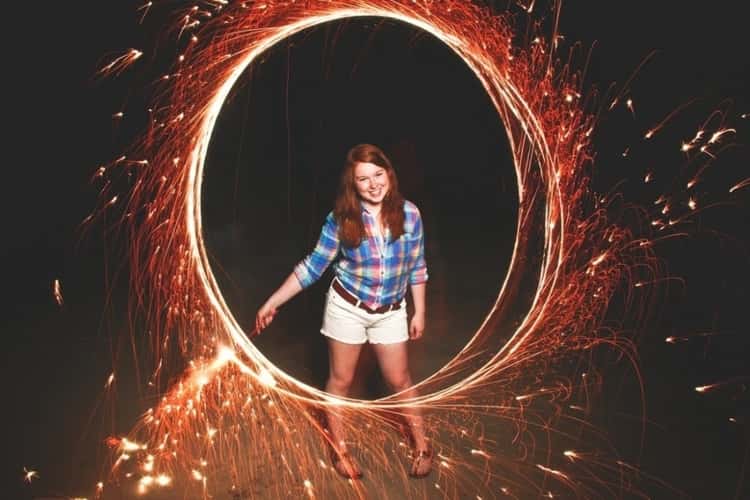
[(344, 293)]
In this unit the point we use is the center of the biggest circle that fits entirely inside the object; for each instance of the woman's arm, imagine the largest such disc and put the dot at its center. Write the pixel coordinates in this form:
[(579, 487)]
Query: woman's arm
[(418, 280), (416, 326), (288, 289), (307, 272)]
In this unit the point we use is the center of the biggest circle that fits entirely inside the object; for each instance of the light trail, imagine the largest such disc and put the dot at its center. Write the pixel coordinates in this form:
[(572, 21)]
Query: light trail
[(57, 292)]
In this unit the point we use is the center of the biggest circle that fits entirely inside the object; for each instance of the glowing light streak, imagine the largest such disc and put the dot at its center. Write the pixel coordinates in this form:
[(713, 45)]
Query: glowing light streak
[(714, 386), (29, 475), (716, 136), (120, 63), (552, 471), (145, 8), (656, 128), (598, 260), (127, 445), (629, 104), (740, 185), (57, 292)]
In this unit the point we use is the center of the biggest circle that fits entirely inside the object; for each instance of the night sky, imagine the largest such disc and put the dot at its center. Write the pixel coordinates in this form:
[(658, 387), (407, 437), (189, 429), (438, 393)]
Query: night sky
[(272, 171)]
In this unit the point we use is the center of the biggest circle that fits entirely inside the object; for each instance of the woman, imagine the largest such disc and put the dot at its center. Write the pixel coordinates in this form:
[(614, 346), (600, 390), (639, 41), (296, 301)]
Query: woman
[(376, 240)]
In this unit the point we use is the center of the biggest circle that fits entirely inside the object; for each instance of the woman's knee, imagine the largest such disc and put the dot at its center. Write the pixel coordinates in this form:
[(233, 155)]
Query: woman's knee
[(399, 381), (340, 380)]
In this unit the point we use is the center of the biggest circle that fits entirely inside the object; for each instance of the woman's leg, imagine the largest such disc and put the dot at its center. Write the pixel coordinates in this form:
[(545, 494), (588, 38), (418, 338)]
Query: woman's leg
[(394, 364), (341, 367)]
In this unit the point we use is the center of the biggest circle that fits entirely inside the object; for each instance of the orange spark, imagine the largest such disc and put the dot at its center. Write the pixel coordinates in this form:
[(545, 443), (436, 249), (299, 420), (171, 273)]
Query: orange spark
[(554, 472), (120, 63), (740, 185), (598, 260), (718, 135), (674, 340), (29, 475), (145, 8), (706, 388), (57, 292), (163, 480), (481, 453)]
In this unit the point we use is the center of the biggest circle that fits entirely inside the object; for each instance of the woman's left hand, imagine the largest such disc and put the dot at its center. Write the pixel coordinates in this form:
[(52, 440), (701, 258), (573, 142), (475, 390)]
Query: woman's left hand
[(416, 327)]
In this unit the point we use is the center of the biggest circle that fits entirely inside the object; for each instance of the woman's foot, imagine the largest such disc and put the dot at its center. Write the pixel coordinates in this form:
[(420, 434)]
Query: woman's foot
[(345, 464), (422, 462)]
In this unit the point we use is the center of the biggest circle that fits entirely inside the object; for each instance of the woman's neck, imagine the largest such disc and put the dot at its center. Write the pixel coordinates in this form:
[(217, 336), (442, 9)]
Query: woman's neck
[(372, 209)]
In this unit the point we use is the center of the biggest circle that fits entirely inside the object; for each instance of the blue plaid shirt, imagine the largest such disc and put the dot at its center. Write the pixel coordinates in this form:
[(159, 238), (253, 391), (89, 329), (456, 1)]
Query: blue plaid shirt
[(378, 270)]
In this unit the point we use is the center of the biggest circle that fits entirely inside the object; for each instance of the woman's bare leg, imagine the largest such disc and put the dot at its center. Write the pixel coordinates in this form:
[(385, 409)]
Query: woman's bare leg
[(394, 364), (341, 367)]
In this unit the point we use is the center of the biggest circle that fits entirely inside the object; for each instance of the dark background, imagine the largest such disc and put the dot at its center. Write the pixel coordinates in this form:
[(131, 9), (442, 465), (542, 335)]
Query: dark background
[(279, 157)]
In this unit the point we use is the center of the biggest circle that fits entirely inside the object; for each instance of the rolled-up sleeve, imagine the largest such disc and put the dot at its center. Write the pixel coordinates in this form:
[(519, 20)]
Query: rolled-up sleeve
[(419, 272), (311, 268)]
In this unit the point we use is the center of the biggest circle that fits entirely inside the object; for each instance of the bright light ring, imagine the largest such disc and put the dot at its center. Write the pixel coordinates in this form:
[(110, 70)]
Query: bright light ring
[(511, 107), (574, 271), (530, 365)]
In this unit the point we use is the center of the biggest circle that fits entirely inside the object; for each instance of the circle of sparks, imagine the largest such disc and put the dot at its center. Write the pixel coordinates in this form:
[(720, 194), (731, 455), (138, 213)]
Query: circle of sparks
[(567, 260), (528, 142)]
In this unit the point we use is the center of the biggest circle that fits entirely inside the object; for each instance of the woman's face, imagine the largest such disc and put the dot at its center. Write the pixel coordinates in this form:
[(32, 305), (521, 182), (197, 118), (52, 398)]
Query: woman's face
[(372, 183)]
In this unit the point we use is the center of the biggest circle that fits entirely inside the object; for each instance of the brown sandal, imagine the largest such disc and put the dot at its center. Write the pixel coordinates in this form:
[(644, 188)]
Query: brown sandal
[(344, 464), (421, 455)]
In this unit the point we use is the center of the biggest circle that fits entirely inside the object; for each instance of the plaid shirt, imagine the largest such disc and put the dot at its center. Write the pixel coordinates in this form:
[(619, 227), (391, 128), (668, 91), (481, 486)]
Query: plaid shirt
[(378, 270)]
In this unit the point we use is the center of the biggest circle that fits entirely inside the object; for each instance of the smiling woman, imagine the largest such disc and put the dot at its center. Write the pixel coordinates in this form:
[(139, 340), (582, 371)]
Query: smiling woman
[(376, 240)]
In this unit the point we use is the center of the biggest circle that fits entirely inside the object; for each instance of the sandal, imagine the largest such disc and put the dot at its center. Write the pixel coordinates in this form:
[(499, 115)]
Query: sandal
[(344, 464), (421, 457)]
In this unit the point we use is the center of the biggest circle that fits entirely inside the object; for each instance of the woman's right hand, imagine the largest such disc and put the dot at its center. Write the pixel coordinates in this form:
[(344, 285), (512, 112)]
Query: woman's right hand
[(264, 317)]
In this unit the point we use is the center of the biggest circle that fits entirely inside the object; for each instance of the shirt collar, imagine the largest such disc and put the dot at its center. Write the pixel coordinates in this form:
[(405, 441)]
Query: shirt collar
[(364, 209)]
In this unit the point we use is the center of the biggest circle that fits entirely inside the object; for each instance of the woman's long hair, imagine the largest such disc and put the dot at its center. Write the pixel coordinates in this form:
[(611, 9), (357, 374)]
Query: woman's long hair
[(348, 211)]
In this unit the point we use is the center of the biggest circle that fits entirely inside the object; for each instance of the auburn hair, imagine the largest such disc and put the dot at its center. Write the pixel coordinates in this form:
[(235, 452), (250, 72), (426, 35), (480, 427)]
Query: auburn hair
[(348, 210)]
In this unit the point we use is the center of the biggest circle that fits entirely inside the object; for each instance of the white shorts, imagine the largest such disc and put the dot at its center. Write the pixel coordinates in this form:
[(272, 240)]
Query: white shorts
[(349, 324)]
